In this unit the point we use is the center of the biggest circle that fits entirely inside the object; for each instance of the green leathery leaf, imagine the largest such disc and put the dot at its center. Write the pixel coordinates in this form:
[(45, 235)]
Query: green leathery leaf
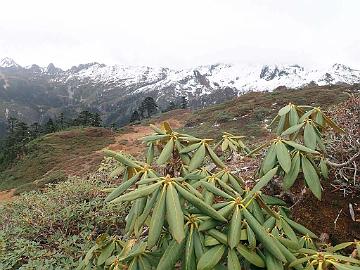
[(250, 255), (284, 110), (258, 148), (174, 214), (269, 223), (121, 158), (157, 219), (288, 254), (292, 129), (235, 184), (208, 224), (123, 187), (150, 154), (256, 211), (214, 157), (106, 253), (300, 261), (341, 246), (346, 259), (138, 193), (293, 116), (156, 137), (250, 237), (133, 264), (149, 205), (131, 219), (311, 177), (288, 230), (227, 188), (288, 244), (210, 241), (309, 136), (281, 125), (307, 115), (226, 210), (319, 119), (264, 180), (189, 262), (158, 130), (235, 228), (269, 160), (171, 255), (260, 201), (283, 156), (221, 237), (224, 144), (272, 263), (301, 147), (262, 235), (166, 152), (213, 189), (190, 148), (233, 260), (211, 258), (300, 228), (290, 177), (193, 190), (272, 200), (198, 244), (324, 169), (144, 263), (207, 209), (197, 158)]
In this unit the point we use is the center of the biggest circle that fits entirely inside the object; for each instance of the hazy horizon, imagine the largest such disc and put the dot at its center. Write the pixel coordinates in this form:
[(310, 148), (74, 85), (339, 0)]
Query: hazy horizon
[(181, 34)]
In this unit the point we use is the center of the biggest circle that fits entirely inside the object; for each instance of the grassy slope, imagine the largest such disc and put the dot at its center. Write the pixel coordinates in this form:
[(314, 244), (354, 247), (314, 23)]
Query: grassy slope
[(75, 151), (72, 151), (245, 115)]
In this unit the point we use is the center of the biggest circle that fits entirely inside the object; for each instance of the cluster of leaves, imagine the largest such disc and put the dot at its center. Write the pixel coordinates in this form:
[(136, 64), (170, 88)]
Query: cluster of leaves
[(185, 214), (299, 146), (49, 230)]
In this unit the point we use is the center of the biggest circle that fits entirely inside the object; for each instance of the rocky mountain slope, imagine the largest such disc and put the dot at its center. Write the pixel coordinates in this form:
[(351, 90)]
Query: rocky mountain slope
[(34, 93)]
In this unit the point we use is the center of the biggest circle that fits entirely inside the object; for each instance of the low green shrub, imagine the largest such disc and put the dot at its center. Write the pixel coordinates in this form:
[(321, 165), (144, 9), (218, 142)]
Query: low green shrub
[(49, 229), (51, 178)]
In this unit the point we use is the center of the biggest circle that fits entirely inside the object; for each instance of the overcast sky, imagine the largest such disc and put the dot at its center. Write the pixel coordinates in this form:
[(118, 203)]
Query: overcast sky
[(180, 33)]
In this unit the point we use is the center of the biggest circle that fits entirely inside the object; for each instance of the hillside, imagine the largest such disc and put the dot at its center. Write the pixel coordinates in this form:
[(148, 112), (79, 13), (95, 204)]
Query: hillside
[(79, 214), (77, 152), (74, 152), (35, 93)]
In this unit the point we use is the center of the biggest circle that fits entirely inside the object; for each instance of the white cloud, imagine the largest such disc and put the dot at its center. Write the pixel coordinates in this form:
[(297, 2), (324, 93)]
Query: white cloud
[(180, 33)]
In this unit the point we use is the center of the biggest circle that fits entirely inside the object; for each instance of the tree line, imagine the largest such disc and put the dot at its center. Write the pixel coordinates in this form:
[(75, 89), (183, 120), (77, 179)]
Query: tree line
[(19, 134), (149, 107)]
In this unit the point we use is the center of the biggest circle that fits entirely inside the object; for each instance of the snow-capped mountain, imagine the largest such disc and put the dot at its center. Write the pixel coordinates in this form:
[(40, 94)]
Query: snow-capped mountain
[(116, 91), (208, 78), (8, 63)]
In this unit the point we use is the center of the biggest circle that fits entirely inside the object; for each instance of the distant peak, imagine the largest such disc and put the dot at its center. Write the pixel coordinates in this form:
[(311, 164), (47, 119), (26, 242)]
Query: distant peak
[(51, 69), (338, 66), (85, 66), (7, 62)]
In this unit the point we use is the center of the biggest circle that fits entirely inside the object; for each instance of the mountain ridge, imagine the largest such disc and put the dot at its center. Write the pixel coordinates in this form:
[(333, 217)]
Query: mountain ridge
[(34, 93)]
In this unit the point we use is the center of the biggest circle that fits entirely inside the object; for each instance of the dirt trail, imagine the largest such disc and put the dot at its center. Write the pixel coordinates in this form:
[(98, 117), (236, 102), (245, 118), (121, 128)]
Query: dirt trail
[(130, 141), (6, 195)]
